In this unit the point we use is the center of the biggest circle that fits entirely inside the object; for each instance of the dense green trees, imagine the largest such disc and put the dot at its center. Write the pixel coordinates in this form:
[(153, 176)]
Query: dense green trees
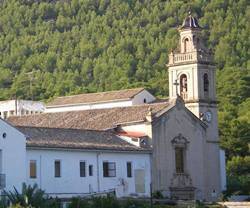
[(51, 48)]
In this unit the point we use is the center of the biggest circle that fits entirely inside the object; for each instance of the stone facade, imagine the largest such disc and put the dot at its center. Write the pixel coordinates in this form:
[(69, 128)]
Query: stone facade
[(178, 127), (191, 76)]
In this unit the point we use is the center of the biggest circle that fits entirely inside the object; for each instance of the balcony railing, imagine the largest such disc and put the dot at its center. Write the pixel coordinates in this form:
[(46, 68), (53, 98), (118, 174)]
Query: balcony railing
[(2, 181), (195, 56), (184, 95)]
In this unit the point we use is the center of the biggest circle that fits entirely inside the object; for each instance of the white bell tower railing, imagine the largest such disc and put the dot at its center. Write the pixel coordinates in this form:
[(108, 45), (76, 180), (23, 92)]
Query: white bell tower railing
[(195, 56)]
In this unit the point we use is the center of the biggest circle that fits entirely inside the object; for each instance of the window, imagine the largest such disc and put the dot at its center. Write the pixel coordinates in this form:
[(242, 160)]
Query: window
[(129, 169), (183, 86), (206, 83), (57, 168), (144, 100), (82, 169), (109, 169), (186, 43), (179, 160), (90, 170), (32, 169)]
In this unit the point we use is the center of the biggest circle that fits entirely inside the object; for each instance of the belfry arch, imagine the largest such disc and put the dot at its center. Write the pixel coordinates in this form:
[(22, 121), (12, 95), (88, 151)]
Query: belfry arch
[(205, 85), (183, 86)]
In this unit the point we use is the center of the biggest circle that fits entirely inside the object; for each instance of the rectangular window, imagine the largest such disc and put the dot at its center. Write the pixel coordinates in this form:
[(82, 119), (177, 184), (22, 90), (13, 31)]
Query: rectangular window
[(129, 169), (82, 169), (57, 168), (32, 169), (90, 170), (109, 169), (179, 160)]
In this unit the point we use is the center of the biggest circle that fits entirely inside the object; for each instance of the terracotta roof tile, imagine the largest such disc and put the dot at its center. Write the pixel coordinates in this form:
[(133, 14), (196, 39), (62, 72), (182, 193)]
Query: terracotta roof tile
[(76, 139), (97, 119), (95, 97)]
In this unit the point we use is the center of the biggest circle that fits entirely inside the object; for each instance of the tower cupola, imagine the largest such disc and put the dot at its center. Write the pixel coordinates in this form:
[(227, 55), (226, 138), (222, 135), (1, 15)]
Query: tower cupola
[(190, 22), (190, 32)]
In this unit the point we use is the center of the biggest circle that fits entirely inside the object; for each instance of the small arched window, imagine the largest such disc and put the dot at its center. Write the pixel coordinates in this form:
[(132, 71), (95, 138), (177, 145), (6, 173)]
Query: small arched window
[(186, 43), (205, 84), (183, 86)]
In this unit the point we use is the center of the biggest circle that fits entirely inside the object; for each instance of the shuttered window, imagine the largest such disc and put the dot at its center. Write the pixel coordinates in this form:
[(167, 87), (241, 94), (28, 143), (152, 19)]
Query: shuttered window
[(32, 169), (57, 168), (109, 169), (90, 170), (129, 169), (82, 169)]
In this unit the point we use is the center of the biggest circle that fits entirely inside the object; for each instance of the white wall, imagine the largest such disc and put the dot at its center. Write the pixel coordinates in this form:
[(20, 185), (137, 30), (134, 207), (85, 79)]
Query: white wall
[(13, 156), (88, 106), (143, 96), (136, 100), (20, 107), (70, 180)]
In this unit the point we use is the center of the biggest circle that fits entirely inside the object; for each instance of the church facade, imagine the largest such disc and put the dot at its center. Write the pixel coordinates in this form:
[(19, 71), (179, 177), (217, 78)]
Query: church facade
[(173, 143)]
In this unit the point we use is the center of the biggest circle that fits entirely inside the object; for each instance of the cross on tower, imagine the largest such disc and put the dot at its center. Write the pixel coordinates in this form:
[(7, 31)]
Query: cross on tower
[(176, 86)]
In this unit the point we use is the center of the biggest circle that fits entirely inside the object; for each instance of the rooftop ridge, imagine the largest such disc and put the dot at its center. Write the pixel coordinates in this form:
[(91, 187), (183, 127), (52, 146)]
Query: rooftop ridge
[(96, 97), (100, 109), (92, 93), (70, 129)]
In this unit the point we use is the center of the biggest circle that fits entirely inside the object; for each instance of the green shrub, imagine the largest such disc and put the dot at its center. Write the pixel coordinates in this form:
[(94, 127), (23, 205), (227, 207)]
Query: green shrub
[(134, 204), (105, 202), (157, 195), (31, 196), (77, 202)]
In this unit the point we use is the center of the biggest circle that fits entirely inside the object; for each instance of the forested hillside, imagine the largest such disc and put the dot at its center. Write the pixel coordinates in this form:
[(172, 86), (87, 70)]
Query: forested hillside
[(51, 48)]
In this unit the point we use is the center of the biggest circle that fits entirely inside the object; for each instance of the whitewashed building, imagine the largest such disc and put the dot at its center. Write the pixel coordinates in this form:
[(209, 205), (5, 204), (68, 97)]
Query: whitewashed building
[(70, 162), (66, 162), (12, 157), (121, 98), (20, 107)]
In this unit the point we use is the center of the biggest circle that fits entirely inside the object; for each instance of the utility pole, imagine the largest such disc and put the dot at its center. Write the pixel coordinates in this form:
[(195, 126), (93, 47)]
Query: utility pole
[(31, 79)]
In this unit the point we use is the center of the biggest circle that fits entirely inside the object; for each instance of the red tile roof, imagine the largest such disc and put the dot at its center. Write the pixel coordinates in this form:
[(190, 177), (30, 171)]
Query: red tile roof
[(97, 119), (76, 139)]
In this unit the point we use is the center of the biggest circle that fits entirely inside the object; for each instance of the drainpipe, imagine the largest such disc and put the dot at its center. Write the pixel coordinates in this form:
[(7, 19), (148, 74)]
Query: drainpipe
[(40, 167), (97, 174)]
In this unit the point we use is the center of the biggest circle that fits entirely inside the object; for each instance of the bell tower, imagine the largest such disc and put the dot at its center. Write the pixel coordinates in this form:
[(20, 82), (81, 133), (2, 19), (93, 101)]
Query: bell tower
[(192, 77), (192, 72)]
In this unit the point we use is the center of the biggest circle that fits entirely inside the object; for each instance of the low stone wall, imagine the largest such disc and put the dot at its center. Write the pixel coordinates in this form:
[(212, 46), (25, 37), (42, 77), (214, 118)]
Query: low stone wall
[(235, 204)]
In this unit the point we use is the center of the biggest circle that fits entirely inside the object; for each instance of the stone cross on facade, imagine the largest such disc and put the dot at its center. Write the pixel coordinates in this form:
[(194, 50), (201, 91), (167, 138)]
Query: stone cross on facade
[(176, 86)]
